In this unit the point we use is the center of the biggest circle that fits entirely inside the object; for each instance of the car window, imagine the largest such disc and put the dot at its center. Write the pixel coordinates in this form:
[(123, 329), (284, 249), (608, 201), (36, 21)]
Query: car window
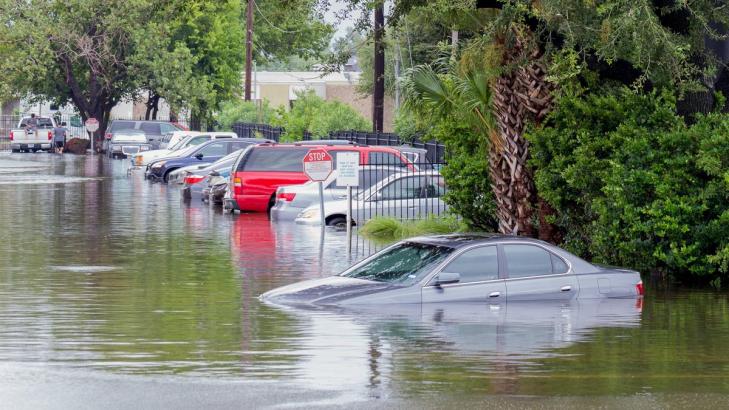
[(527, 260), (197, 140), (129, 136), (275, 159), (122, 125), (214, 149), (403, 188), (239, 145), (404, 263), (558, 265), (165, 128), (436, 187), (152, 128), (476, 265), (385, 158)]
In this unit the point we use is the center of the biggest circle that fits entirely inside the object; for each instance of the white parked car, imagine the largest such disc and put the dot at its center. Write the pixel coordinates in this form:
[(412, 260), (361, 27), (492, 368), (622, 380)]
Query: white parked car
[(292, 199), (409, 195), (145, 158)]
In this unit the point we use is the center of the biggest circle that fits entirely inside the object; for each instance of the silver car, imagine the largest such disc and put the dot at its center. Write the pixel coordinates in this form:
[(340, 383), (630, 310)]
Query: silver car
[(292, 199), (464, 268), (405, 195), (126, 143)]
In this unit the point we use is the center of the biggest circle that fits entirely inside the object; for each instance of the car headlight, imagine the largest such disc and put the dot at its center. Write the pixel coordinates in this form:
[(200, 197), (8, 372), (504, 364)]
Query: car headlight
[(309, 214), (159, 164)]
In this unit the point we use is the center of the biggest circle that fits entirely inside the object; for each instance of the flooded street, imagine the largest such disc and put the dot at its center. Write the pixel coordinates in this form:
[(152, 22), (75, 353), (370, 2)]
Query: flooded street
[(113, 287)]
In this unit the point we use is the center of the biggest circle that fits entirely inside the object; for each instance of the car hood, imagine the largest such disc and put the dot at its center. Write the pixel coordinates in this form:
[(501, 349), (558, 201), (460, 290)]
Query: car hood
[(331, 290)]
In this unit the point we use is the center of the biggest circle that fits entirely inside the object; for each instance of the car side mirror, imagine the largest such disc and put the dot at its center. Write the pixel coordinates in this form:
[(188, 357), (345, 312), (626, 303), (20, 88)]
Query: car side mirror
[(199, 155), (445, 278), (214, 174)]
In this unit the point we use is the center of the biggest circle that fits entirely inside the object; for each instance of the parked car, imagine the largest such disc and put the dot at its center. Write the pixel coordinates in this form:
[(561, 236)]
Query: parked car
[(205, 153), (145, 158), (126, 143), (409, 195), (154, 130), (464, 268), (259, 172), (292, 199), (216, 186), (40, 138), (194, 178)]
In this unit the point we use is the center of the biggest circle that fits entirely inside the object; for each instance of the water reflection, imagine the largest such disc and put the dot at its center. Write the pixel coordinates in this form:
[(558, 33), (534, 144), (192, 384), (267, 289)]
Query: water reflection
[(119, 276)]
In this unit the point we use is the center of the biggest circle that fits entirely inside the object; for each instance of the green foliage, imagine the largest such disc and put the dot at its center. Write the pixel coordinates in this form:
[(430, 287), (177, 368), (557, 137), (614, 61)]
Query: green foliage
[(633, 185), (244, 111), (387, 229), (312, 113)]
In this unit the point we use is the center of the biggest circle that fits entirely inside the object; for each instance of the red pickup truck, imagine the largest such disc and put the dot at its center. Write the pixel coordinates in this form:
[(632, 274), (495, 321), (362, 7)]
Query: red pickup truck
[(260, 170)]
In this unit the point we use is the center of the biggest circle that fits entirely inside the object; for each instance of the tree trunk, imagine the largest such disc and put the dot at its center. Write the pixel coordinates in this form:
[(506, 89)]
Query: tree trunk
[(520, 95), (378, 96)]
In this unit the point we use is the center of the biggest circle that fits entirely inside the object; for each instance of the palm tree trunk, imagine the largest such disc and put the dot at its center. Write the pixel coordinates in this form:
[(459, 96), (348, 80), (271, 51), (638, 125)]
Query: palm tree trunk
[(521, 94)]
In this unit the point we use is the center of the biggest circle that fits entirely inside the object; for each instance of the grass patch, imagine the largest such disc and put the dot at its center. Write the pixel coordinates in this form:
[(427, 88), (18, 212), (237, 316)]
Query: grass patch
[(390, 229)]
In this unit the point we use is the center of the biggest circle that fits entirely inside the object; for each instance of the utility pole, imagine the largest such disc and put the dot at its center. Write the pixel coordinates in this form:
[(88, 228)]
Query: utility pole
[(249, 48), (378, 96)]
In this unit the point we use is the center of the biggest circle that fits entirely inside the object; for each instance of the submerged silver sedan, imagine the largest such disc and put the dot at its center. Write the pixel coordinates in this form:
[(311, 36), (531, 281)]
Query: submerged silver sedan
[(464, 268)]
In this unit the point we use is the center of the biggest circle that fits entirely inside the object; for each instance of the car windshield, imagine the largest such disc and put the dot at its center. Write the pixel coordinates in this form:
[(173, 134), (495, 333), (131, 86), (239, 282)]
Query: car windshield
[(130, 136), (404, 263), (179, 144)]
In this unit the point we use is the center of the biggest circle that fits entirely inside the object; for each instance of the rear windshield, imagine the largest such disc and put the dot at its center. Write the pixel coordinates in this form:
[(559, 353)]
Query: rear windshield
[(130, 136), (281, 159), (122, 125), (40, 122)]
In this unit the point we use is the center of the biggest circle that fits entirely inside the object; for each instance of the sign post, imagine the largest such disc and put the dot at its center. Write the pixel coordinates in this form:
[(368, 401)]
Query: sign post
[(92, 125), (348, 175), (318, 167)]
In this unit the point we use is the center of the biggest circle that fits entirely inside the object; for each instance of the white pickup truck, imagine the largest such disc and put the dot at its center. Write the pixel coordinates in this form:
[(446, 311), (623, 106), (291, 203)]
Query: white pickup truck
[(25, 138)]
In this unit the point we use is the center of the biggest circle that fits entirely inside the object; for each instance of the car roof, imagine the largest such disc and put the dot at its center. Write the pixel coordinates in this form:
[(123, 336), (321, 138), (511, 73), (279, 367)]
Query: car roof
[(458, 240), (357, 147)]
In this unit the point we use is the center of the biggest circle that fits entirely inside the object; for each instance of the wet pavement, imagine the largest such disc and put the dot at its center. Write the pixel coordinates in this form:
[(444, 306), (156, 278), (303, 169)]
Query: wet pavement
[(116, 294)]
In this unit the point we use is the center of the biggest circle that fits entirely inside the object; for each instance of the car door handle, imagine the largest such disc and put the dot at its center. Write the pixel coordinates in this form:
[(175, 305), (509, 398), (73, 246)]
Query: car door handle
[(566, 288), (494, 294)]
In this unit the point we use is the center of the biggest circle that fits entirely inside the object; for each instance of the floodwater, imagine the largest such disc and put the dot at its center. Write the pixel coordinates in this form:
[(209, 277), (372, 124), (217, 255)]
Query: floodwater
[(115, 294)]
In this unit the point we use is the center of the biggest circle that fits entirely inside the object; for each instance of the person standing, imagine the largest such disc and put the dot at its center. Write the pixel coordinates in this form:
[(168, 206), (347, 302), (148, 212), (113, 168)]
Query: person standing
[(59, 137)]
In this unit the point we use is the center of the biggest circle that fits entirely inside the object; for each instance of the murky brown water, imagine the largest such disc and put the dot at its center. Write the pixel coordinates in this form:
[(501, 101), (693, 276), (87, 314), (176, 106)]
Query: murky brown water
[(112, 289)]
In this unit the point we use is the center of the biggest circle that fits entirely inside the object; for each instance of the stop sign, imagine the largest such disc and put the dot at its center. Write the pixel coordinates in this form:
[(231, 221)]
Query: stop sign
[(317, 164), (92, 124)]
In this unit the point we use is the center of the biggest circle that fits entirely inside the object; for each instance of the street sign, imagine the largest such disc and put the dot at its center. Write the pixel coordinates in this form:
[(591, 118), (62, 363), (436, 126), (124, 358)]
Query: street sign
[(92, 125), (317, 164), (348, 169)]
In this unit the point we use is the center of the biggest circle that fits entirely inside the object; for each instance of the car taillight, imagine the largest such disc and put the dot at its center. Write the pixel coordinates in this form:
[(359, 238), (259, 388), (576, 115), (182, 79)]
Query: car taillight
[(639, 288), (193, 179), (11, 136), (237, 182), (50, 135), (286, 196)]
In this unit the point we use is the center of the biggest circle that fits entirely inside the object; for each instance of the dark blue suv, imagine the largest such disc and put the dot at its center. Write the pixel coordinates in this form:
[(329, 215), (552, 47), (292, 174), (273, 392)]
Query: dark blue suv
[(205, 153)]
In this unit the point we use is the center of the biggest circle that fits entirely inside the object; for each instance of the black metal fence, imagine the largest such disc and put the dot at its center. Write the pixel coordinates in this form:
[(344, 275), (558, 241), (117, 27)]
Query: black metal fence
[(248, 130), (434, 150)]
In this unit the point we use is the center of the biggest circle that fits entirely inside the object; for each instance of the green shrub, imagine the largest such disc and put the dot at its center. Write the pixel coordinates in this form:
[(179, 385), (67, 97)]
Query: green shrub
[(312, 113), (244, 111), (634, 186), (387, 229), (466, 174)]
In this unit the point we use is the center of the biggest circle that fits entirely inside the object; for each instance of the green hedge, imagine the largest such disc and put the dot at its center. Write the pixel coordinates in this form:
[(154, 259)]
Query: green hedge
[(635, 186)]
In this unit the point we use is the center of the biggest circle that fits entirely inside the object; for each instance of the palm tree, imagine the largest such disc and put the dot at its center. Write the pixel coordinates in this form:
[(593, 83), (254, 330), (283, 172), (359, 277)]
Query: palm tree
[(499, 106)]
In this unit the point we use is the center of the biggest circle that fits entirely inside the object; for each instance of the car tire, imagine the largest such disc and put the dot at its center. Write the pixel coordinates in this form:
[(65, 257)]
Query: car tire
[(337, 221)]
